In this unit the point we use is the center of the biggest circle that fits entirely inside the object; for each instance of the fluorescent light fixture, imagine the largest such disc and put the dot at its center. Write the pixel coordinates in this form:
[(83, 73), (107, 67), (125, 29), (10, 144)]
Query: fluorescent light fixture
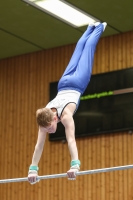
[(63, 11)]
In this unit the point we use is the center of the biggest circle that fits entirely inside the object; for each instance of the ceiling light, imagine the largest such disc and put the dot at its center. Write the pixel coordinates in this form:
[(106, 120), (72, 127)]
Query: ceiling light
[(63, 11)]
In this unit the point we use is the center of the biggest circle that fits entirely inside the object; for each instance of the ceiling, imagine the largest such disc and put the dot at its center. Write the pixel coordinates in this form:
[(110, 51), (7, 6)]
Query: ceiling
[(25, 29)]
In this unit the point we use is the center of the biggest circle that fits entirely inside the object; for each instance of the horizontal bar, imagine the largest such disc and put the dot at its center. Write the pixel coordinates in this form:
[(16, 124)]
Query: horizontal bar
[(65, 174)]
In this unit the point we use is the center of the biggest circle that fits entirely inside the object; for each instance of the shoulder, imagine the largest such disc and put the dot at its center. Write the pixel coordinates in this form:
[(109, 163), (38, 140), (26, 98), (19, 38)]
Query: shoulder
[(69, 109), (67, 117)]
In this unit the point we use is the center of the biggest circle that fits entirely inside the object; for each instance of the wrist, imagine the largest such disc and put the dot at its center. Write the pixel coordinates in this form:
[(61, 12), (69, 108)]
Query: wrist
[(75, 164), (34, 168)]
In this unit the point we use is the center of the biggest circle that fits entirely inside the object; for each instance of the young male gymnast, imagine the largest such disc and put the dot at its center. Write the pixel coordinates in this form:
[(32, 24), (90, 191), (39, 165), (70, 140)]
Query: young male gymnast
[(62, 108)]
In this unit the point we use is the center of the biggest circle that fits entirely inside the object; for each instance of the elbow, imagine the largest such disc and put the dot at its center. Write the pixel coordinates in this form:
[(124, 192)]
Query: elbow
[(71, 140), (38, 147)]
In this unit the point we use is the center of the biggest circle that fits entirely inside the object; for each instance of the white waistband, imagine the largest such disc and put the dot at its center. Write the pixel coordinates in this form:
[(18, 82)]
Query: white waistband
[(68, 91)]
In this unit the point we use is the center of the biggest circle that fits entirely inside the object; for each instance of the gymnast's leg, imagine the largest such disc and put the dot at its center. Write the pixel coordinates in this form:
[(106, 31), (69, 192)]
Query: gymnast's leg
[(71, 68), (84, 68), (78, 51), (77, 75)]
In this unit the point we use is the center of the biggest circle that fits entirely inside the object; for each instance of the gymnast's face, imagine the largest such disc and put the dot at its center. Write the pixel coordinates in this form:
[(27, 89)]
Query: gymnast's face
[(52, 128)]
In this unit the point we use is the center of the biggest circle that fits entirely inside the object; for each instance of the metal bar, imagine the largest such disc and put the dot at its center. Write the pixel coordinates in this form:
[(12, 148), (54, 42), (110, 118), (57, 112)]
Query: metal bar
[(65, 174)]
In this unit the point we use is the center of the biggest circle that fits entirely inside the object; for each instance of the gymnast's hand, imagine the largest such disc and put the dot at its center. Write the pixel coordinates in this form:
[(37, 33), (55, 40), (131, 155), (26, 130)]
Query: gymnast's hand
[(32, 176), (72, 173)]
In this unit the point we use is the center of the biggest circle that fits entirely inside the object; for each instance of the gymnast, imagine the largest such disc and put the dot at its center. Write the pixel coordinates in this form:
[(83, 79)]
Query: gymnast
[(62, 108)]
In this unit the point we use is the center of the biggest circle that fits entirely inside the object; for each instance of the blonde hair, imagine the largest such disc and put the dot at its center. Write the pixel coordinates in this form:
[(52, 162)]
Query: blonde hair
[(44, 116)]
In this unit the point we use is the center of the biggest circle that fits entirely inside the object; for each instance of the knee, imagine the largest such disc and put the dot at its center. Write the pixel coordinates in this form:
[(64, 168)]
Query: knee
[(90, 44)]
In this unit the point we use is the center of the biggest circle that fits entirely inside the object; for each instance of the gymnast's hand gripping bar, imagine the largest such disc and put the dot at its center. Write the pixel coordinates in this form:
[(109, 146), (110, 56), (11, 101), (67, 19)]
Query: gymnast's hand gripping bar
[(95, 171)]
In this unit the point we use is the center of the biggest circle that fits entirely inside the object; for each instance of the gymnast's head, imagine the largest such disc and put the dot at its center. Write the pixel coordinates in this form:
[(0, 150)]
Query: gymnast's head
[(47, 119)]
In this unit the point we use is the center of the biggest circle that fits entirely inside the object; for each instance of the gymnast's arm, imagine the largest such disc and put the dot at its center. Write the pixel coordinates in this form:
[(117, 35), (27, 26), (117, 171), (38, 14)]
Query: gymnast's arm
[(69, 125), (68, 122), (37, 154)]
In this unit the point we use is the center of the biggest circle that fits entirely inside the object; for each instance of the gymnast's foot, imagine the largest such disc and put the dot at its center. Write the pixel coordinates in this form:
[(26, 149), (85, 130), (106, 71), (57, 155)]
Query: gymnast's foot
[(97, 23), (104, 25), (94, 24)]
